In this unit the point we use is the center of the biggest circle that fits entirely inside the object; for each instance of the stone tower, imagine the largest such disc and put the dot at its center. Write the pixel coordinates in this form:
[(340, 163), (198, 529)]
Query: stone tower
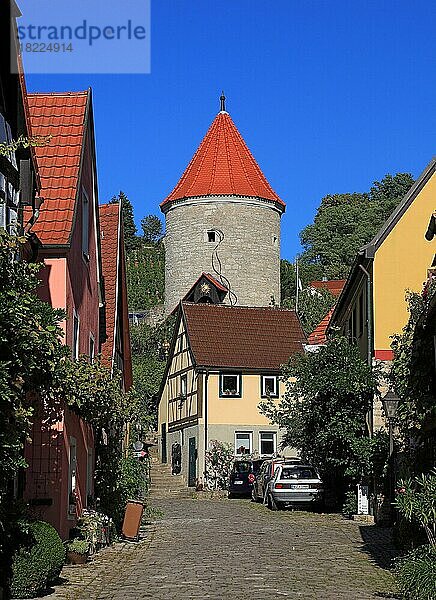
[(223, 219)]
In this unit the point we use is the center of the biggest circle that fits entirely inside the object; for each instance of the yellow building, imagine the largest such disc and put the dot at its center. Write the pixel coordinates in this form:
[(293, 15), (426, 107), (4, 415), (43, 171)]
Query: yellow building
[(224, 360), (372, 305)]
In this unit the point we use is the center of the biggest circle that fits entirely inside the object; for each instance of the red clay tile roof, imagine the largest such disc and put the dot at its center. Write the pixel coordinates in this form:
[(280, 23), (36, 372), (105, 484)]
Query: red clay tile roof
[(335, 286), (63, 117), (242, 337), (318, 335), (109, 228), (223, 165)]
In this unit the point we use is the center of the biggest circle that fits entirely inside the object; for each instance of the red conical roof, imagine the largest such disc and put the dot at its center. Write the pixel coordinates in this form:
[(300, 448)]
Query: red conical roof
[(223, 165)]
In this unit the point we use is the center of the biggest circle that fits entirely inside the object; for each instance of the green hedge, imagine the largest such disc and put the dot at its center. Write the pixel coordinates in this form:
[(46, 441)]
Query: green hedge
[(38, 565), (416, 573)]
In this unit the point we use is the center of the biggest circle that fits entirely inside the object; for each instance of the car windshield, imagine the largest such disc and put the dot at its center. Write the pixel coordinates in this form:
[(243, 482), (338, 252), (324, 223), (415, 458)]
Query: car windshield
[(241, 467), (298, 473)]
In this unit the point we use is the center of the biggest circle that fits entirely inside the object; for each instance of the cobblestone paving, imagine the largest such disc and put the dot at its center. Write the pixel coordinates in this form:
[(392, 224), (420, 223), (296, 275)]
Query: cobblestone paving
[(234, 549)]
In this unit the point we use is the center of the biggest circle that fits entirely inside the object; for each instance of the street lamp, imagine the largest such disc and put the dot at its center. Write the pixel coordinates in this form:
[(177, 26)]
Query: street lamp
[(390, 406)]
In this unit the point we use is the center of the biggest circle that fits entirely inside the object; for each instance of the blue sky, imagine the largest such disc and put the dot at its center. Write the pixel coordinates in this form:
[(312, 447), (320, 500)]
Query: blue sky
[(329, 97)]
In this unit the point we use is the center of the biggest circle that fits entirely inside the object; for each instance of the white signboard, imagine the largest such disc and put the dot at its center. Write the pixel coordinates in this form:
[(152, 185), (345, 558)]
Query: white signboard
[(362, 500)]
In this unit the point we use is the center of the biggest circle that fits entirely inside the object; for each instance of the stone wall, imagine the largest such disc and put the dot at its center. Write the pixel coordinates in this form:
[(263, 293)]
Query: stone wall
[(249, 254)]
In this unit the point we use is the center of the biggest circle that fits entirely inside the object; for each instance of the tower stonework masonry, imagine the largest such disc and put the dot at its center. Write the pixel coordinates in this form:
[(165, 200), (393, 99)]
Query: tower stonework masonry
[(223, 218)]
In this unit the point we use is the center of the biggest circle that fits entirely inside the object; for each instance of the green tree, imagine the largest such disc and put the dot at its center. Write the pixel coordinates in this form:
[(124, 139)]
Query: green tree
[(313, 305), (323, 412), (146, 277), (150, 346), (306, 272), (345, 222), (130, 231), (287, 283), (152, 229)]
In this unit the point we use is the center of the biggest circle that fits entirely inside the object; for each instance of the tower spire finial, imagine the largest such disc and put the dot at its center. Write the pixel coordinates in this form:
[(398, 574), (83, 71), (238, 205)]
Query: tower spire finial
[(223, 102)]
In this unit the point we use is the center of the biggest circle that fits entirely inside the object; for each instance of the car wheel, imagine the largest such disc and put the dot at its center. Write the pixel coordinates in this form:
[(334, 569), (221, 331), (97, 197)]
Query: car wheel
[(254, 497), (230, 495)]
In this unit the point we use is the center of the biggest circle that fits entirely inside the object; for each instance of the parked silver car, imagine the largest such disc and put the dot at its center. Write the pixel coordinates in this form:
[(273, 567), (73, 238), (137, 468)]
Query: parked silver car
[(266, 473), (295, 485)]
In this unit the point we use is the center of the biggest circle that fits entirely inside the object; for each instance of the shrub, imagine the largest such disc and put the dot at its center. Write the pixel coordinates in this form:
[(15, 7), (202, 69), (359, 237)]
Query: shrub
[(39, 564), (219, 460), (79, 546), (416, 573), (416, 501), (96, 529), (349, 507)]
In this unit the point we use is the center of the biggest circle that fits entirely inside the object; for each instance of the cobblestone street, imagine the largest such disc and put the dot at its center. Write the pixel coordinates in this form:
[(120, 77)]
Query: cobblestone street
[(223, 549)]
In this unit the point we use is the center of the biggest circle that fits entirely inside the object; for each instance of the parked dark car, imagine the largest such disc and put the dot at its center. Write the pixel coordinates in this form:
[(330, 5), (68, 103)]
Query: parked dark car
[(243, 476)]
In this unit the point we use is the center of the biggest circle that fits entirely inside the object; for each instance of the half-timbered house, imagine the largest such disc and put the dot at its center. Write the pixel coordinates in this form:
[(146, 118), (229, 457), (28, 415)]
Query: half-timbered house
[(223, 362)]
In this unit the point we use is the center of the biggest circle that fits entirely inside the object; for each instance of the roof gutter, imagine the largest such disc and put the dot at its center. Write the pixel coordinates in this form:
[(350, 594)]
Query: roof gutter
[(369, 310)]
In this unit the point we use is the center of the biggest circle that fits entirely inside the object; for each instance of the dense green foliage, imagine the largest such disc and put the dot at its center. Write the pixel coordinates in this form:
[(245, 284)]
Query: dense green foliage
[(78, 546), (145, 270), (288, 282), (145, 258), (31, 351), (313, 305), (146, 277), (415, 573), (30, 348), (134, 480), (345, 222), (96, 394), (416, 501), (150, 346), (412, 373), (37, 564), (328, 395)]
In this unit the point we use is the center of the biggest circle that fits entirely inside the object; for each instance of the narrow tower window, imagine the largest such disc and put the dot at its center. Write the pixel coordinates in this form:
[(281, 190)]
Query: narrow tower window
[(211, 236)]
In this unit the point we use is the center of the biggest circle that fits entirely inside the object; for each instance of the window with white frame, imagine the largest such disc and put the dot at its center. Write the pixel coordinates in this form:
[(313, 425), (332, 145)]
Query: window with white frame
[(269, 386), (183, 385), (267, 442), (85, 225), (75, 341), (230, 385), (243, 442), (72, 478)]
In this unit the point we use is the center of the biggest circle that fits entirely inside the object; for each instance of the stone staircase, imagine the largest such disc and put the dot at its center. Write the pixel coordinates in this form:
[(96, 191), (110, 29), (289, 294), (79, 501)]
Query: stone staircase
[(164, 484)]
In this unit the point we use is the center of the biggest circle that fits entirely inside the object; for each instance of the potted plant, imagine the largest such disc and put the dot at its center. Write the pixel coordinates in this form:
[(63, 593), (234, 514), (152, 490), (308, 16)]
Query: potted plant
[(77, 552)]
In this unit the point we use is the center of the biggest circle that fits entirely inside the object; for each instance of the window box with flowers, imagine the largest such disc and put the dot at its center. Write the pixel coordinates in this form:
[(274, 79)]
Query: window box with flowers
[(230, 385)]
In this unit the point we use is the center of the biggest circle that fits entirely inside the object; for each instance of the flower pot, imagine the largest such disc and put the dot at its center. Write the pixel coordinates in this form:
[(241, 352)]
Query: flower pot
[(75, 558)]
